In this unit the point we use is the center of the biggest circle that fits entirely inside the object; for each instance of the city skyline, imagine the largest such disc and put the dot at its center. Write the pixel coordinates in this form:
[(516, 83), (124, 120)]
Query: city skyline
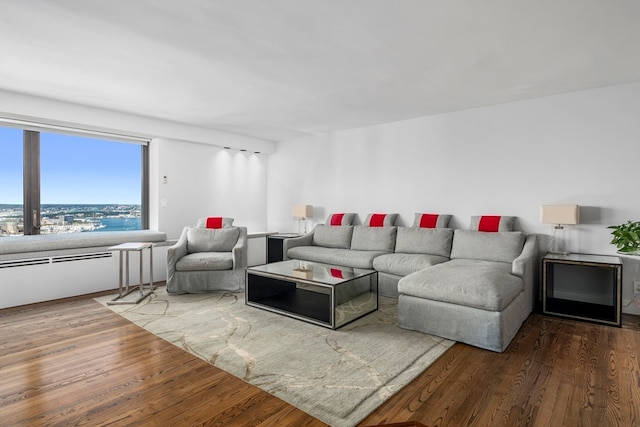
[(72, 218), (74, 170)]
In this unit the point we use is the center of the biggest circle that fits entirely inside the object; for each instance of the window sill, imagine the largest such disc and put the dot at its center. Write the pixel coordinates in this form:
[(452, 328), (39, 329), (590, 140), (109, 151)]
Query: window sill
[(24, 247)]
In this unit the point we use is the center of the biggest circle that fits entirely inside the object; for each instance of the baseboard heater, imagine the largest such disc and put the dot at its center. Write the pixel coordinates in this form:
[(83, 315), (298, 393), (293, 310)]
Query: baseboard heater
[(54, 259)]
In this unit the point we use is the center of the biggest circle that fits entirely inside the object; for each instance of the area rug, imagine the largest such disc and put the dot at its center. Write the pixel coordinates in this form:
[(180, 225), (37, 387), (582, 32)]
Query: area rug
[(337, 376)]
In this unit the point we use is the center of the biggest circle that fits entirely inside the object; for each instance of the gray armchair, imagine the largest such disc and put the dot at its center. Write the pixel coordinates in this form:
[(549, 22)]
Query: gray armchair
[(206, 259)]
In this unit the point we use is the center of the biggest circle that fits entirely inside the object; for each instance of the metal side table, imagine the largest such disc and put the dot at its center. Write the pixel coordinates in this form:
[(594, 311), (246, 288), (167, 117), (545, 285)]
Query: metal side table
[(123, 282)]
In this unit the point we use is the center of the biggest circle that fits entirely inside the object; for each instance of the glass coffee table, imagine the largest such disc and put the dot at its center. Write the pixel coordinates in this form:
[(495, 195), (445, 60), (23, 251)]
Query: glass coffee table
[(326, 295)]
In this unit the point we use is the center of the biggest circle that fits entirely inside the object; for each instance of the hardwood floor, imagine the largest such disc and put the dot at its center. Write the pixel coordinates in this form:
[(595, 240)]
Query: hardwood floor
[(78, 363)]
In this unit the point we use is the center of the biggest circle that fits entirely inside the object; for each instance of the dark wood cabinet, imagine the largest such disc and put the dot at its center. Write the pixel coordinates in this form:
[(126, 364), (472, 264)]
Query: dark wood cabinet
[(274, 246)]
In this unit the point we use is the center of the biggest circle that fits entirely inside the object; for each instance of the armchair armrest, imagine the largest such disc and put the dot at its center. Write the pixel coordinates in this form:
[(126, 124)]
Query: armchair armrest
[(520, 266), (525, 266), (287, 244), (240, 250), (177, 251)]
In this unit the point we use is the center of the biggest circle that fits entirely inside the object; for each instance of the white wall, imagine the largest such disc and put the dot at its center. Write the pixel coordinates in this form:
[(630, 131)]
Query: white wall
[(203, 181), (581, 147)]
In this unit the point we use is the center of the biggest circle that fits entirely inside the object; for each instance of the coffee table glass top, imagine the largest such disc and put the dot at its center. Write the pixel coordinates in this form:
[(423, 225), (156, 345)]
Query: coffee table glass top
[(316, 272)]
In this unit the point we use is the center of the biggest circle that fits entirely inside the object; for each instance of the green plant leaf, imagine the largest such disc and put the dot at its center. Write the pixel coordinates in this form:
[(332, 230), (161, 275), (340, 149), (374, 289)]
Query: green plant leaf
[(626, 237)]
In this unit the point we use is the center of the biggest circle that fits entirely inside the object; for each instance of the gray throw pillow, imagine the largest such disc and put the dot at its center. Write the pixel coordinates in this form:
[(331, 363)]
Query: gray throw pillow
[(211, 239)]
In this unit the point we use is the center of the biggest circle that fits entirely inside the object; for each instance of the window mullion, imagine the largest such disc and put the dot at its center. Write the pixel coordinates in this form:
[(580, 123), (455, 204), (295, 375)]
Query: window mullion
[(144, 203), (31, 185)]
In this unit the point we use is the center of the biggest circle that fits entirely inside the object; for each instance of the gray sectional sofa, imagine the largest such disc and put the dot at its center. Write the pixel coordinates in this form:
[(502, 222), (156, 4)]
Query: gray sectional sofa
[(469, 286)]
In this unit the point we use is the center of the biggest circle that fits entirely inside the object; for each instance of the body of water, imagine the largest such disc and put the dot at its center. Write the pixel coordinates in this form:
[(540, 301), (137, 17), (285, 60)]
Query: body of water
[(121, 224)]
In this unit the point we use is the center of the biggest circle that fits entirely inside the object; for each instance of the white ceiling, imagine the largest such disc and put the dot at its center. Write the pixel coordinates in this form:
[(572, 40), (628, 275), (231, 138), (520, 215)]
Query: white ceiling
[(279, 69)]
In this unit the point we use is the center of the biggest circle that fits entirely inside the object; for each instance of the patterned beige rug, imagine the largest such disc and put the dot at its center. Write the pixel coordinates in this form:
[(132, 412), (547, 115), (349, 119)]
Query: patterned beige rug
[(338, 376)]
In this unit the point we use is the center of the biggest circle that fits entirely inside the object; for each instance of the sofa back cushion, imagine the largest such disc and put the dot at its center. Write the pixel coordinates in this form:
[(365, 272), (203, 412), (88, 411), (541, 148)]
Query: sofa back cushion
[(211, 239), (332, 237), (373, 238), (501, 246), (430, 241)]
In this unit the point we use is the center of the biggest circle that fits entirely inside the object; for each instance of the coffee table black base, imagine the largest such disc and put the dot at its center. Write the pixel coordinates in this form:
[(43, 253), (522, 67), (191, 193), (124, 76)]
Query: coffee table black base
[(289, 299)]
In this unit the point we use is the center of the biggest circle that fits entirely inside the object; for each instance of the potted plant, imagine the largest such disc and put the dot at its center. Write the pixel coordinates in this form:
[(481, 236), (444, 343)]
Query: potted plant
[(626, 237)]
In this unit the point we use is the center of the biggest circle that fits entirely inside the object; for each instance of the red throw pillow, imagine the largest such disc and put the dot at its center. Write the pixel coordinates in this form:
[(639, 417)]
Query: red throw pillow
[(336, 219), (214, 222), (377, 220), (336, 273), (490, 223), (429, 220)]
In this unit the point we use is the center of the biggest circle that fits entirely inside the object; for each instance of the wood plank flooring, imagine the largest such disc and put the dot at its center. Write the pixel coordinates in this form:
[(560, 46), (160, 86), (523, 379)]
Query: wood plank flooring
[(78, 363)]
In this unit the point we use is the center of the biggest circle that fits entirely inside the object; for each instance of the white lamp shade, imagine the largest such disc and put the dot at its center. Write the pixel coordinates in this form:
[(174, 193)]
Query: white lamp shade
[(302, 211), (560, 214)]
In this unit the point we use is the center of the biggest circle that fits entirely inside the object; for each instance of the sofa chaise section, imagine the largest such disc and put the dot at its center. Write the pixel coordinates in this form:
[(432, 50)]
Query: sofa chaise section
[(480, 297)]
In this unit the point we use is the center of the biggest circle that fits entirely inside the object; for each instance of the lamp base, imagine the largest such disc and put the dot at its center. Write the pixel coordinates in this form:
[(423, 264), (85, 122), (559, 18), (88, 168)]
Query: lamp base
[(557, 246)]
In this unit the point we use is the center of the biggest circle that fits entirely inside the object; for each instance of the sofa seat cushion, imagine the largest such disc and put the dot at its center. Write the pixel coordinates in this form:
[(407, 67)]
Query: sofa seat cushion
[(205, 261), (345, 257), (405, 264), (486, 285)]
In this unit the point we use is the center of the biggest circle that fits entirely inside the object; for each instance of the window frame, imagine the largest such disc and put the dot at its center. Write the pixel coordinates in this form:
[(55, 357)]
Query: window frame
[(31, 166)]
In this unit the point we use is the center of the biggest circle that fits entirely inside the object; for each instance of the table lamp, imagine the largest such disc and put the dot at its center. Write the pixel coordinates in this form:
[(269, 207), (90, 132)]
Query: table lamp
[(560, 215), (301, 213)]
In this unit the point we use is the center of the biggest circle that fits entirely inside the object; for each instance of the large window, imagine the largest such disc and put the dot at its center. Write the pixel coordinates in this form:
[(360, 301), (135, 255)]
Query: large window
[(52, 182)]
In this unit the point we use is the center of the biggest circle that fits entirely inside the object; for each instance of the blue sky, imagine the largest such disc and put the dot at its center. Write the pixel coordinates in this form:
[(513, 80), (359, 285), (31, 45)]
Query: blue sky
[(74, 170)]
